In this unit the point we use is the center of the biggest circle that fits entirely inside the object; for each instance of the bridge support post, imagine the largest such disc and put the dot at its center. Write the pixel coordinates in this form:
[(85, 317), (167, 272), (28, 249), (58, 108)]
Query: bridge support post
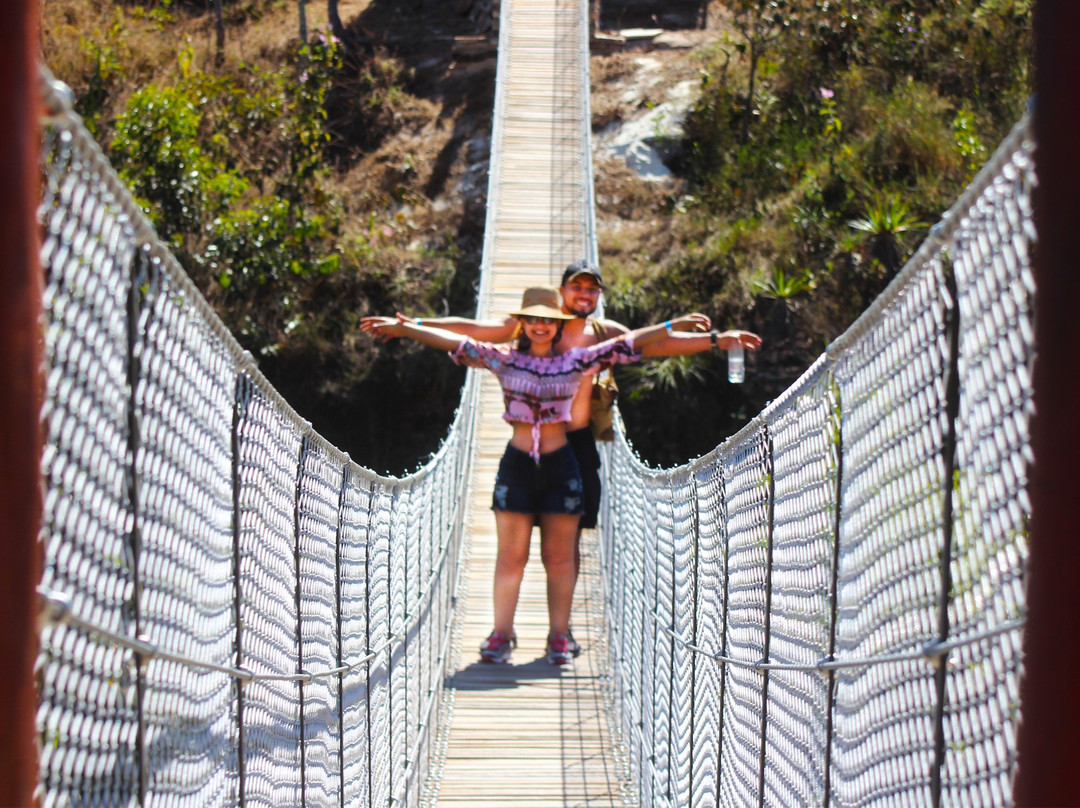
[(1048, 742), (20, 397)]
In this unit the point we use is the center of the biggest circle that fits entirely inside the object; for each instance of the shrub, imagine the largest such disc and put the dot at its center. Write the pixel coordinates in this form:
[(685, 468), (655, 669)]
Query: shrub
[(907, 135), (158, 147)]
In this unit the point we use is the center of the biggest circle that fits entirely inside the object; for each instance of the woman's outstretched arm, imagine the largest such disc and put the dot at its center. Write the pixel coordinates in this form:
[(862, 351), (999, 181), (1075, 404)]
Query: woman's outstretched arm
[(402, 326), (483, 330)]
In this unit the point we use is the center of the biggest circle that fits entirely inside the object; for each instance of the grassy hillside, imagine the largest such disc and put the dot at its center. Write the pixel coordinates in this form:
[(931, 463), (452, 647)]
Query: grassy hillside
[(307, 183), (302, 185), (827, 138)]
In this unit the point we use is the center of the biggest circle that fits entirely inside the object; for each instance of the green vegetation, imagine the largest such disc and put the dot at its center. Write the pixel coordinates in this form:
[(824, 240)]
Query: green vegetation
[(246, 161), (828, 136), (297, 182)]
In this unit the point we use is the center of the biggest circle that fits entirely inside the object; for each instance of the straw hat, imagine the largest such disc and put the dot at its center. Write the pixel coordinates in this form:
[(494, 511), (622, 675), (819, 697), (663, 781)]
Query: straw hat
[(541, 301)]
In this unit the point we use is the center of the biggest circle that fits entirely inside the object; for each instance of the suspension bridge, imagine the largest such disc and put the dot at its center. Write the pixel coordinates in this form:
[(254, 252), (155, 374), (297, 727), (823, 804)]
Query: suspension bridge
[(827, 609)]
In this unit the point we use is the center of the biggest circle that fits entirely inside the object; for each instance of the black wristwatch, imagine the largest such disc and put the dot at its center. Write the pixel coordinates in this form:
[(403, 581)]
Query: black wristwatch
[(712, 336)]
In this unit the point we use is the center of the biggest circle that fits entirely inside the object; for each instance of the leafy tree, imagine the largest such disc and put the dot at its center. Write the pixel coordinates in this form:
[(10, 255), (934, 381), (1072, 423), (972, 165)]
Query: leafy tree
[(759, 22)]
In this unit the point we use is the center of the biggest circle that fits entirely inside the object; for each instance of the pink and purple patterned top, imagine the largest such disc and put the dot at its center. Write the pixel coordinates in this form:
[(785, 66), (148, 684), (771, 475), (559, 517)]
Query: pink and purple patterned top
[(540, 389)]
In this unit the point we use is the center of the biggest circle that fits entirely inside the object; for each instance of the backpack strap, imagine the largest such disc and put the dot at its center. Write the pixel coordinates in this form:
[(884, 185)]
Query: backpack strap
[(599, 328), (601, 332)]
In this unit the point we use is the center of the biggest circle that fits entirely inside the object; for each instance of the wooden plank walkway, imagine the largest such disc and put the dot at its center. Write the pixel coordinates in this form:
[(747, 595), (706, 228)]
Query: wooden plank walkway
[(530, 734), (527, 734)]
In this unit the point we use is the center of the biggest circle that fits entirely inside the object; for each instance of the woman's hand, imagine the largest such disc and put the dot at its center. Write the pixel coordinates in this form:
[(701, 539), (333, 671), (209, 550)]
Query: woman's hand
[(385, 328)]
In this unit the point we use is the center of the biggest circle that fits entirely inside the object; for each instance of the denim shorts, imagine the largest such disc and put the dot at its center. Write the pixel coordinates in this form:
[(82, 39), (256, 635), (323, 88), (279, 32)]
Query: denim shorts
[(523, 486), (588, 458)]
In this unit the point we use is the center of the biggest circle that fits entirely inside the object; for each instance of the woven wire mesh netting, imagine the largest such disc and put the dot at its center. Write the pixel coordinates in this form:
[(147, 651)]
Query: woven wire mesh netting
[(846, 572), (235, 611)]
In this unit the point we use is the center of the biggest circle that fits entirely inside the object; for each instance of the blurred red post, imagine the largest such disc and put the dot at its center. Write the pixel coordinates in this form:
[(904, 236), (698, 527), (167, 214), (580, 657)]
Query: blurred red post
[(20, 398), (1049, 736)]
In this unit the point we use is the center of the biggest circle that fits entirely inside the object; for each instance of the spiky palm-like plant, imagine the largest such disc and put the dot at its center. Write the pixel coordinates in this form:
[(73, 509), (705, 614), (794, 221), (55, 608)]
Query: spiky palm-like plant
[(886, 218)]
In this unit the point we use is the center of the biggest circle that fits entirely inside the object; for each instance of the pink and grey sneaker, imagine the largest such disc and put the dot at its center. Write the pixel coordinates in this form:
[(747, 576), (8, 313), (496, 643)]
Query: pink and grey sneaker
[(574, 645), (559, 651), (497, 647)]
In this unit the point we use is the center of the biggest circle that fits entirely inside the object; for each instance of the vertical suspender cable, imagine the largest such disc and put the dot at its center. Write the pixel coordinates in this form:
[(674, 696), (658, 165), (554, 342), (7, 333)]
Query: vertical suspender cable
[(652, 655), (339, 656), (837, 423), (671, 653), (368, 643), (302, 455), (769, 521), (390, 648), (696, 527), (726, 535), (139, 266), (240, 400), (407, 708), (639, 686), (948, 457)]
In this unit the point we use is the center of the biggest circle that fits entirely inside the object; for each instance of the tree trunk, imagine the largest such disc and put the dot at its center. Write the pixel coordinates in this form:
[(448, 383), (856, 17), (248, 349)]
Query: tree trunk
[(749, 112), (219, 27), (336, 28), (302, 6)]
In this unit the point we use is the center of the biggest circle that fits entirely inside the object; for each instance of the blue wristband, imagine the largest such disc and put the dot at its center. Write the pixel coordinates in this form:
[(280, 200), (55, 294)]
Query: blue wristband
[(667, 324), (419, 321)]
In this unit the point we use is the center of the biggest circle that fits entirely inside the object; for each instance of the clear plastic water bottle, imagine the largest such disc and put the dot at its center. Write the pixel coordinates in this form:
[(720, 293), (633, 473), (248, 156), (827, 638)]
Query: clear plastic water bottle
[(736, 364)]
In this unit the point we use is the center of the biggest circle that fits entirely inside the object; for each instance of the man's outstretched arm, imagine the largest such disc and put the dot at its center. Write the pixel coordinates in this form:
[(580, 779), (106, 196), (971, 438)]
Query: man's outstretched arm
[(690, 334), (684, 343)]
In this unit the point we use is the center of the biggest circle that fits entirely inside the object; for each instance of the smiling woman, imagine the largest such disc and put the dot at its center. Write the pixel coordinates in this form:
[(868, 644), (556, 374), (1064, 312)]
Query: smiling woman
[(539, 308), (539, 479)]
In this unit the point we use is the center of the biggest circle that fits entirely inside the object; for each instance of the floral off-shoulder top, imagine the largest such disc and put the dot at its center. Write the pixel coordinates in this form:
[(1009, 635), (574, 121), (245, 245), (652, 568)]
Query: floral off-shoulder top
[(540, 389)]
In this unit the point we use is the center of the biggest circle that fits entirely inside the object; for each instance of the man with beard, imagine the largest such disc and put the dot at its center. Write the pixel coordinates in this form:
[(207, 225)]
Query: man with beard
[(580, 291)]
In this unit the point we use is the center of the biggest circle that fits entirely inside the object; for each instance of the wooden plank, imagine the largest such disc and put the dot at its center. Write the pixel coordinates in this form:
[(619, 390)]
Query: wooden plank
[(528, 733)]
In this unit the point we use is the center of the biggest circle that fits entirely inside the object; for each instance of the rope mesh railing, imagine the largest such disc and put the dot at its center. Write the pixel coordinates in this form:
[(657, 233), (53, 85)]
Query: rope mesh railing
[(235, 613), (826, 609), (823, 610)]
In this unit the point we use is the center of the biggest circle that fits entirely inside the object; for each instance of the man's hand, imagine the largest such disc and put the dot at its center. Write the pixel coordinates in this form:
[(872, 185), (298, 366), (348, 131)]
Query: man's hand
[(748, 339), (691, 322)]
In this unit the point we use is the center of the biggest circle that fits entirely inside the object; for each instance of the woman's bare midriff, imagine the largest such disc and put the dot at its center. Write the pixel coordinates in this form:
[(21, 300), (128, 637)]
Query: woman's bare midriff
[(552, 437)]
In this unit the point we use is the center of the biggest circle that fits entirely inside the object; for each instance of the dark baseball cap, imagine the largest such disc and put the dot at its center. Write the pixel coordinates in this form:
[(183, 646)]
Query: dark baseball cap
[(581, 267)]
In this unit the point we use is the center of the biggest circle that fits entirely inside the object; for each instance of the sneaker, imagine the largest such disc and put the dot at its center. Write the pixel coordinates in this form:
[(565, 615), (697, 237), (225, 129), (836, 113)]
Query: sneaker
[(574, 645), (558, 650), (497, 647)]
